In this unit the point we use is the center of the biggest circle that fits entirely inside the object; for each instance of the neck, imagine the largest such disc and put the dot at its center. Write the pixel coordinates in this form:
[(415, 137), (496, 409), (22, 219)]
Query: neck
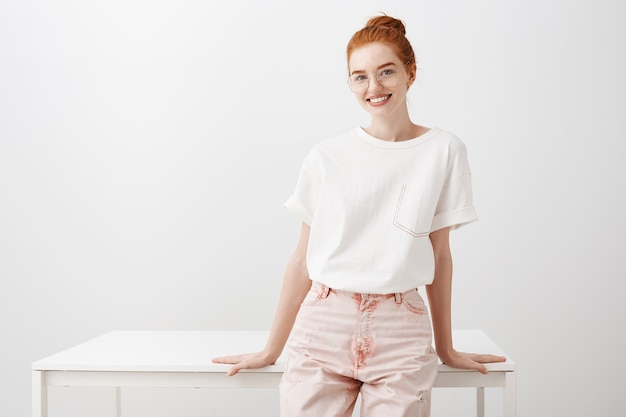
[(396, 130)]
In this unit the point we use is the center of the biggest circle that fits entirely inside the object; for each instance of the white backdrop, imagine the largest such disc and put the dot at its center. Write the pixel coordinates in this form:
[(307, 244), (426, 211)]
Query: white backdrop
[(147, 147)]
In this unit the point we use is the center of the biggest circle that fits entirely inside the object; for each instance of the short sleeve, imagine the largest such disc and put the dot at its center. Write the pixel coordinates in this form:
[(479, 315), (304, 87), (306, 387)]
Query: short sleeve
[(455, 207), (306, 194)]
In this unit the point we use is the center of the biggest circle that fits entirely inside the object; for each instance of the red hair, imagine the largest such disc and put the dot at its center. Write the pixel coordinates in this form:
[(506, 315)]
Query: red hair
[(389, 31)]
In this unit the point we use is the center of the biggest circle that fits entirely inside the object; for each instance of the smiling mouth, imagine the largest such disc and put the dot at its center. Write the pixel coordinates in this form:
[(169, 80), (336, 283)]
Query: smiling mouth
[(379, 99)]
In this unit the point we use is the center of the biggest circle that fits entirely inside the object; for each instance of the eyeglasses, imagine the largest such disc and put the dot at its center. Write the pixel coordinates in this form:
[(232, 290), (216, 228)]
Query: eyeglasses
[(359, 83)]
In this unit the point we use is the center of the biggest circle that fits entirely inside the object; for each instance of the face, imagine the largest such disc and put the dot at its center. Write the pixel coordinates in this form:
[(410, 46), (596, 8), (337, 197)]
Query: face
[(377, 66)]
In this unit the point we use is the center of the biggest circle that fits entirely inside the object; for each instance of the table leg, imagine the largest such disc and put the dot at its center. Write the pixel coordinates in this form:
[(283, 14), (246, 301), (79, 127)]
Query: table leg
[(510, 395), (39, 394), (480, 402), (116, 403)]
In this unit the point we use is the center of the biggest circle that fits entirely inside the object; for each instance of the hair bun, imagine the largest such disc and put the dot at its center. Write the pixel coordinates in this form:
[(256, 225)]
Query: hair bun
[(387, 21)]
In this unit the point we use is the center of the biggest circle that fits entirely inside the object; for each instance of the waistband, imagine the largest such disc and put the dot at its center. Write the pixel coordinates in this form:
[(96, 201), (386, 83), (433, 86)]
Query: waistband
[(324, 290)]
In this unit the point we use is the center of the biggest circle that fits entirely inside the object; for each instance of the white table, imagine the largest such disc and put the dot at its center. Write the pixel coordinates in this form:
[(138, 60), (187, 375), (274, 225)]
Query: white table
[(183, 359)]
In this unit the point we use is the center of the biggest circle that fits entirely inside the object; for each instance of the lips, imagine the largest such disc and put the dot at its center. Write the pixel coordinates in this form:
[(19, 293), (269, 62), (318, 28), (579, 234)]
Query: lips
[(379, 99)]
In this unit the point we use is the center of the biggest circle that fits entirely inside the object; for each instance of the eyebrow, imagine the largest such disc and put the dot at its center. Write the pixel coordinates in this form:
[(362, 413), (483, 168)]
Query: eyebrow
[(379, 67)]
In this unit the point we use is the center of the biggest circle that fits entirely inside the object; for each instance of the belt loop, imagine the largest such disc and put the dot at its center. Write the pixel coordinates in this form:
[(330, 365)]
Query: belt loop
[(398, 298), (325, 291)]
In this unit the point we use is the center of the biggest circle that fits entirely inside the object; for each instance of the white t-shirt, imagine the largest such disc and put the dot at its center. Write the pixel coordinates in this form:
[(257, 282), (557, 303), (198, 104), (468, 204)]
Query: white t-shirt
[(371, 205)]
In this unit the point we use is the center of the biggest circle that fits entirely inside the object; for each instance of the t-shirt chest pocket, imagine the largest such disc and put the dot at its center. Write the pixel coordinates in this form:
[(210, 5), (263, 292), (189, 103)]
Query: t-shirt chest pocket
[(413, 212)]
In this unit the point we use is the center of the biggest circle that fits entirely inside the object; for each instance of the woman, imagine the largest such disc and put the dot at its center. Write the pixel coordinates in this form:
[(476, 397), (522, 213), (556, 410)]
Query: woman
[(377, 205)]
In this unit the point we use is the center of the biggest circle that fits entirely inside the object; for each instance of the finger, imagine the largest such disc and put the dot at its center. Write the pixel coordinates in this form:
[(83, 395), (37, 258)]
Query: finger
[(236, 368), (489, 358), (486, 358), (471, 363), (481, 368), (226, 359)]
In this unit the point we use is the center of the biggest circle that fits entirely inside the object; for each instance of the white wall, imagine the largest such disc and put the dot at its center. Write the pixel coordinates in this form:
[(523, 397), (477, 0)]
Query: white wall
[(146, 148)]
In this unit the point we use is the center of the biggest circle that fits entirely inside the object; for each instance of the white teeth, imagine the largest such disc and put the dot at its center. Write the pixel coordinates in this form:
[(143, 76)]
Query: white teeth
[(379, 99)]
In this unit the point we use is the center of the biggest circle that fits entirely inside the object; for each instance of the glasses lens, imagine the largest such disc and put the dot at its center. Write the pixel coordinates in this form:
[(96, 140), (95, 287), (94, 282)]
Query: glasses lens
[(387, 77), (358, 83)]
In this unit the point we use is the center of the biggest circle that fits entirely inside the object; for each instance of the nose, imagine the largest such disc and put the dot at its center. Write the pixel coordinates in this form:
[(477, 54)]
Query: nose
[(373, 84)]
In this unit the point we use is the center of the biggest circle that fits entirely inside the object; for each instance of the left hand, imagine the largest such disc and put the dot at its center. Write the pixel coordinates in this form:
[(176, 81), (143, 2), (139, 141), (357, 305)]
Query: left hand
[(472, 361)]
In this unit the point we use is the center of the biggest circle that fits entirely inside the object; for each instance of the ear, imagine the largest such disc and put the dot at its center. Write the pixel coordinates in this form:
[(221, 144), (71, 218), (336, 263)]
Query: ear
[(411, 71)]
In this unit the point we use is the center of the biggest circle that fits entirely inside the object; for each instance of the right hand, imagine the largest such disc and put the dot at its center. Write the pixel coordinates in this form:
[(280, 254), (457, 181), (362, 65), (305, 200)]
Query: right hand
[(245, 361)]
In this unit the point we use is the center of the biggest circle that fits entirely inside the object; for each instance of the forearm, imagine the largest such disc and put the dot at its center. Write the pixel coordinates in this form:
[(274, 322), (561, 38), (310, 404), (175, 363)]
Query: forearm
[(296, 284), (440, 295), (439, 298)]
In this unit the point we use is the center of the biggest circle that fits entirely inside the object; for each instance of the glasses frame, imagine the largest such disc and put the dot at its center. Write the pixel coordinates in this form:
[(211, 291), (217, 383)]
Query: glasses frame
[(381, 79)]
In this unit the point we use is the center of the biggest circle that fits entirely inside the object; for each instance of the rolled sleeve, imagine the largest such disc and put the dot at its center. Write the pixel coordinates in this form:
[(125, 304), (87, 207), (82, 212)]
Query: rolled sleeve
[(296, 207)]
